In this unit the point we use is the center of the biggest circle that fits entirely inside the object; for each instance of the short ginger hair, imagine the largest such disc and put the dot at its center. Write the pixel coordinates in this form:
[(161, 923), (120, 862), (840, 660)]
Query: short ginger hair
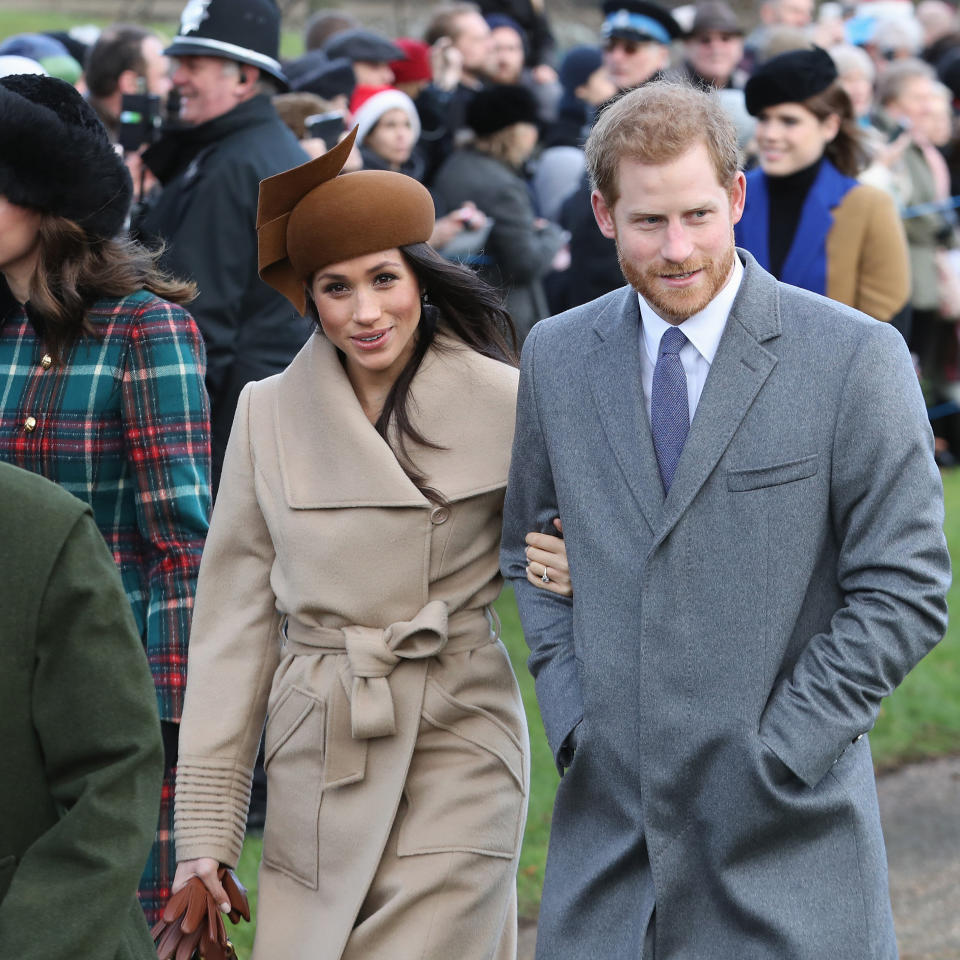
[(654, 124)]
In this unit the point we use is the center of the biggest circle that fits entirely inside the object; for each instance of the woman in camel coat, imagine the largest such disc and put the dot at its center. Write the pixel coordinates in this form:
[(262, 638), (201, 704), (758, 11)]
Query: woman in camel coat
[(345, 594)]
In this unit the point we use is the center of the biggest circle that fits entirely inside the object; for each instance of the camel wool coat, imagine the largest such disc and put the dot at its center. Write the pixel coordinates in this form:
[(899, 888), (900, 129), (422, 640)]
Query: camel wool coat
[(338, 602)]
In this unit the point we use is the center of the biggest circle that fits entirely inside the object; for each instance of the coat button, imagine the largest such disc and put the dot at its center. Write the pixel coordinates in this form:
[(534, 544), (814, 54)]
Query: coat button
[(30, 424), (439, 515), (46, 362)]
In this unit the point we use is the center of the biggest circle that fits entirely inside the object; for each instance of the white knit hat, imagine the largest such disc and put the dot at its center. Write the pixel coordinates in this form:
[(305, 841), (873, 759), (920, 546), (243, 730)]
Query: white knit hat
[(369, 104)]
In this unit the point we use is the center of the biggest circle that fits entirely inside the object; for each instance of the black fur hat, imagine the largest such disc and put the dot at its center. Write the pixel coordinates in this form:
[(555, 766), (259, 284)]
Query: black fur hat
[(55, 155), (495, 108)]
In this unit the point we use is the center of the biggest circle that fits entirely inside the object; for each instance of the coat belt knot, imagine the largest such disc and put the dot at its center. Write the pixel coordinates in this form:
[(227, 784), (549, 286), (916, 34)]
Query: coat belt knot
[(373, 654)]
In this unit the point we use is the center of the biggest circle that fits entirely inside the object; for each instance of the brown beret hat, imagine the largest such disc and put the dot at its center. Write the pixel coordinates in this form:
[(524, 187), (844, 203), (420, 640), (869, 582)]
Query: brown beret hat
[(308, 217)]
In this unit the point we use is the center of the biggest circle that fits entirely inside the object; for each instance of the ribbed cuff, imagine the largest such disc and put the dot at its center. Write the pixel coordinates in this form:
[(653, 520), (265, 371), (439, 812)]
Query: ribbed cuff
[(212, 799)]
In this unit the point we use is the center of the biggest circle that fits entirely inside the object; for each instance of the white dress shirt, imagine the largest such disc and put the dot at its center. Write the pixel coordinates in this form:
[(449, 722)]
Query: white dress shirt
[(703, 331)]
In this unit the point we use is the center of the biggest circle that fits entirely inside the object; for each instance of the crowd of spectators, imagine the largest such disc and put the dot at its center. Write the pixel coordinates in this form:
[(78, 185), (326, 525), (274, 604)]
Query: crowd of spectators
[(484, 106), (846, 116)]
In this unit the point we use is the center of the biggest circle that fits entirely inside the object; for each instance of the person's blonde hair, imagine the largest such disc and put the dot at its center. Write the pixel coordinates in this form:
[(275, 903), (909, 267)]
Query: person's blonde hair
[(654, 124)]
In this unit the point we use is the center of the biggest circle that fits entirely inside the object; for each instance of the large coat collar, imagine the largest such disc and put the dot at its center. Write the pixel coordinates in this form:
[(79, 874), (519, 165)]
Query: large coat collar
[(806, 262), (331, 456), (740, 368)]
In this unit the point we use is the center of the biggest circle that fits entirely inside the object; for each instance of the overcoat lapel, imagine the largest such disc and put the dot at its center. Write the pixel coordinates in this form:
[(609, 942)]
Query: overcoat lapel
[(331, 456), (739, 369), (613, 371)]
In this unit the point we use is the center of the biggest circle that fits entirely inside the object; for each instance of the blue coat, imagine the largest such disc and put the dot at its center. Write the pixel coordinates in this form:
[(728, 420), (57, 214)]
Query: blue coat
[(729, 645), (849, 244)]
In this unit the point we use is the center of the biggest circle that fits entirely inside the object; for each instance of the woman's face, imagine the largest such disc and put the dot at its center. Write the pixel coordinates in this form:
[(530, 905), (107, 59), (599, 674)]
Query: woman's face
[(523, 141), (369, 308), (790, 137), (19, 237), (392, 137)]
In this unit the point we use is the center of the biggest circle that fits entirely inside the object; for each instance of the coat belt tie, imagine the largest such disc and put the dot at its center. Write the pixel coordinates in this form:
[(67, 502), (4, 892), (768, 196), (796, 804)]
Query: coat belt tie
[(372, 655)]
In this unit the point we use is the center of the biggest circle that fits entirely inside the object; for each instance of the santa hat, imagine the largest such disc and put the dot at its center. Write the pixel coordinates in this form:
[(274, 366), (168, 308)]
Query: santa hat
[(369, 104)]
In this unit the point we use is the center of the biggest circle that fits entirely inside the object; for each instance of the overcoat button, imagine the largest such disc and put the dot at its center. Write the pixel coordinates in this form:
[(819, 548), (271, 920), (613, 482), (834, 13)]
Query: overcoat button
[(30, 424), (439, 515), (46, 362)]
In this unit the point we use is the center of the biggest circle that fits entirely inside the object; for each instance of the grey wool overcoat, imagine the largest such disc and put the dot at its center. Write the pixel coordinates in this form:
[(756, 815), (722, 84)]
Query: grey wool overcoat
[(727, 646)]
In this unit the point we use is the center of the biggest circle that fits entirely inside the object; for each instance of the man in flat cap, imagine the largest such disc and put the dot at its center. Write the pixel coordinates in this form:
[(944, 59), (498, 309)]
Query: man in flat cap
[(225, 71), (713, 49), (370, 54), (754, 526)]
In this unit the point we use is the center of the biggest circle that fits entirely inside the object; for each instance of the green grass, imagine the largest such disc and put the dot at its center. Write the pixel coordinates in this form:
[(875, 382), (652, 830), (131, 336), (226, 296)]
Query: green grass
[(27, 21), (921, 720), (922, 717)]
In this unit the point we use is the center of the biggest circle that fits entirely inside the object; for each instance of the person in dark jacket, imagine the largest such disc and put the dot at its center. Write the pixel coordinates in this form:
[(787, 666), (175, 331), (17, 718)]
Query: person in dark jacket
[(532, 17), (82, 758), (521, 247), (206, 213)]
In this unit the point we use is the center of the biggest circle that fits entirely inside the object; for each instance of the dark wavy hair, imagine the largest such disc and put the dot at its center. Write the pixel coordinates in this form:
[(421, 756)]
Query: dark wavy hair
[(457, 301), (847, 151), (74, 270)]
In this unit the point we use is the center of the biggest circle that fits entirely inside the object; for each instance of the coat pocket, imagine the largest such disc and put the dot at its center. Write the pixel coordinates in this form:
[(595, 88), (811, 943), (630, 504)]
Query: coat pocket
[(466, 789), (755, 478), (8, 866), (293, 760)]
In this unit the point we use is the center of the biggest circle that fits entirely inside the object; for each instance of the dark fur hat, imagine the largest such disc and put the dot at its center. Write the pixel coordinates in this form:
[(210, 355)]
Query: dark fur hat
[(495, 108), (55, 155)]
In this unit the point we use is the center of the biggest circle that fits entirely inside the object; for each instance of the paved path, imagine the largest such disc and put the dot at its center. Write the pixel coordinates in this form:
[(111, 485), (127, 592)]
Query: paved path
[(920, 809)]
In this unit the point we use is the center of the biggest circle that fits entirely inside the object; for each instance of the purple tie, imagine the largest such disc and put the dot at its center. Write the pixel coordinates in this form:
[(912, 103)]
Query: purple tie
[(669, 410)]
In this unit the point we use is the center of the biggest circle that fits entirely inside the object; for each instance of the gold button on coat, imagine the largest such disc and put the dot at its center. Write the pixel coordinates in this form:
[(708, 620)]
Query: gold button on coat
[(46, 362), (439, 515), (30, 424)]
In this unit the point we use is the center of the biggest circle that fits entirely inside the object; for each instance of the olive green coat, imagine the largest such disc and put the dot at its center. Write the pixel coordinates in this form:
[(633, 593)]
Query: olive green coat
[(82, 760)]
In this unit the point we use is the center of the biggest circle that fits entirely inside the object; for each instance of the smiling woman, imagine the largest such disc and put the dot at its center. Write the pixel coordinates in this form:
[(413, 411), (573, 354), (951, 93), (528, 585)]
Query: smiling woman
[(346, 596), (806, 218)]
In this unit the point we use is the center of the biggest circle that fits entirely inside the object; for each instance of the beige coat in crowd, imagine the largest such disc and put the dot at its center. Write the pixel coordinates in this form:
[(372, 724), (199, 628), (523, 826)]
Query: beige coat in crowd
[(339, 602)]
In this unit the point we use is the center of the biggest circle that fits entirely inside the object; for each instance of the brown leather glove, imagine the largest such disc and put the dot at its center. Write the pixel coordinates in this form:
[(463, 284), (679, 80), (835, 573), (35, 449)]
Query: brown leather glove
[(192, 924)]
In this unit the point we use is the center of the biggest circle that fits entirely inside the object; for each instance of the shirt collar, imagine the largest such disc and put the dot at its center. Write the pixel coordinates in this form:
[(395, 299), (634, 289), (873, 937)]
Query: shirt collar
[(703, 329)]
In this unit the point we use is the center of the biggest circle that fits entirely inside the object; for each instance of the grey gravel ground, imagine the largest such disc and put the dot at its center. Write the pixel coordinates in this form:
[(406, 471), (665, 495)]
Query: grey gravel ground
[(920, 810)]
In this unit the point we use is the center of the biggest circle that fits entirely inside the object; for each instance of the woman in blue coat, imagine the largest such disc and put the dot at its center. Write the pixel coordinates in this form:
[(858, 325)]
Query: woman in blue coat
[(807, 219)]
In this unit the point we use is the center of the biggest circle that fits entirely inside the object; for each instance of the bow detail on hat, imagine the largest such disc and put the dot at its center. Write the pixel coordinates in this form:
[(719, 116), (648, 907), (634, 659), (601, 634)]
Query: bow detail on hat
[(309, 217), (279, 194), (374, 653)]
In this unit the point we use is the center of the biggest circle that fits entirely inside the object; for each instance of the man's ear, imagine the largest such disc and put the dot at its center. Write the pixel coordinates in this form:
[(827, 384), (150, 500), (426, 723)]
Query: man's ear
[(603, 215), (738, 196), (249, 75)]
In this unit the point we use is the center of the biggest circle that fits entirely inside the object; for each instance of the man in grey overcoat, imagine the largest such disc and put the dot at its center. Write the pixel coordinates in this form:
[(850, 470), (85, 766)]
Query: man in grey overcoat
[(744, 472)]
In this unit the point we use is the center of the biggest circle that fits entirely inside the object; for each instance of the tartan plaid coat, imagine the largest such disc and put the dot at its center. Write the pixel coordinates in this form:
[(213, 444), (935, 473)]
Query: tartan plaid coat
[(123, 423)]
